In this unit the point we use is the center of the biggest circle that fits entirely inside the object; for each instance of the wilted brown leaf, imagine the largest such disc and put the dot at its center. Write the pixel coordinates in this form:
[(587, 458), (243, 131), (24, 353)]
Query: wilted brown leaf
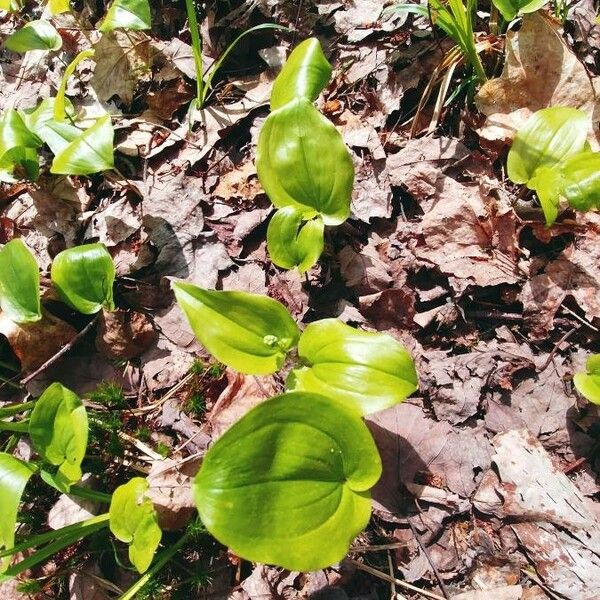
[(540, 71), (35, 343), (123, 334)]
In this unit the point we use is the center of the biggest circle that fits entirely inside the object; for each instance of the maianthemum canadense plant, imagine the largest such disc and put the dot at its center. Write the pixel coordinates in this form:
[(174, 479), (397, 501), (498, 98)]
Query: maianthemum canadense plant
[(288, 484), (302, 162), (551, 155), (83, 277), (57, 426)]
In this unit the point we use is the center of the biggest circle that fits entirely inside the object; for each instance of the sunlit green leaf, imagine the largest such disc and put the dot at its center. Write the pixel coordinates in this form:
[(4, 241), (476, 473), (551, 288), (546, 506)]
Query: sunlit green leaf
[(248, 332), (91, 152), (133, 520), (581, 180), (56, 7), (288, 483), (550, 136), (14, 475), (34, 35), (10, 5), (19, 283), (588, 384), (370, 371), (59, 431), (292, 243), (36, 119), (84, 278), (18, 148), (511, 8), (304, 75), (127, 14), (302, 162), (547, 182)]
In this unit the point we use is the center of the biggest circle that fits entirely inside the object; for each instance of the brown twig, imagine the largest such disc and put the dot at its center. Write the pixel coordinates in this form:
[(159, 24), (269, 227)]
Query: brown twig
[(399, 582), (61, 352), (428, 557), (564, 338)]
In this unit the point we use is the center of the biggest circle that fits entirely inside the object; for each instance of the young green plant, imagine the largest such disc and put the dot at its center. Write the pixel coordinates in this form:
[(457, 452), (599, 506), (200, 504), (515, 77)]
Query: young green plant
[(302, 162), (289, 483), (550, 155)]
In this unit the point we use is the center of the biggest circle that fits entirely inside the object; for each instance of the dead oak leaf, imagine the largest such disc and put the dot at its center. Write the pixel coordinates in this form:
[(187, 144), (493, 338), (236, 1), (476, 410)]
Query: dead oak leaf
[(575, 273), (469, 236), (540, 71), (122, 60)]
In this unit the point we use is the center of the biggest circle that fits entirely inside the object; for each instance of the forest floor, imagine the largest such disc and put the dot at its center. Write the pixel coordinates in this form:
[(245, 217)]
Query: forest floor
[(489, 489)]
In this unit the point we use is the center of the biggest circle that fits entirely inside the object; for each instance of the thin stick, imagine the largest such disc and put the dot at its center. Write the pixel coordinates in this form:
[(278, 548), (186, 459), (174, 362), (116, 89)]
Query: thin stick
[(388, 578), (428, 557), (61, 352), (564, 338)]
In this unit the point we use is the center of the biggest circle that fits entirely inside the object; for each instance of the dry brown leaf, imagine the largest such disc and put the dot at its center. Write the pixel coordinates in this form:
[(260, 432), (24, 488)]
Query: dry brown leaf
[(34, 343), (243, 392), (170, 489), (575, 273), (123, 58), (124, 334), (509, 592), (540, 71), (70, 509), (470, 237)]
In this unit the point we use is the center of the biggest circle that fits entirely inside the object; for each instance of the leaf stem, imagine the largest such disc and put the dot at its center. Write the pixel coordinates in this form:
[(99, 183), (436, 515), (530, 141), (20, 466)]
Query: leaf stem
[(88, 494), (19, 426), (15, 409), (196, 50)]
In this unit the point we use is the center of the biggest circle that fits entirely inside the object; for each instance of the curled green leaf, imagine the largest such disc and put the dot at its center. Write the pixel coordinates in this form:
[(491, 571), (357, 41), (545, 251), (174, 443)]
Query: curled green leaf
[(59, 101), (304, 75), (292, 243), (371, 371), (59, 431), (84, 278), (247, 332), (302, 162), (581, 180), (90, 152), (133, 520), (14, 475), (35, 35), (550, 136), (288, 483), (19, 283), (127, 14), (18, 147)]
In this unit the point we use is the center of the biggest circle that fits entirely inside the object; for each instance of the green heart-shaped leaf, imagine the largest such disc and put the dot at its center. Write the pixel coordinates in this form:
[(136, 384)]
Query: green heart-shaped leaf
[(19, 283), (127, 14), (14, 475), (248, 332), (511, 8), (372, 371), (59, 431), (133, 520), (292, 243), (581, 180), (304, 75), (90, 152), (302, 162), (550, 136), (288, 483), (84, 278), (588, 384), (35, 35)]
